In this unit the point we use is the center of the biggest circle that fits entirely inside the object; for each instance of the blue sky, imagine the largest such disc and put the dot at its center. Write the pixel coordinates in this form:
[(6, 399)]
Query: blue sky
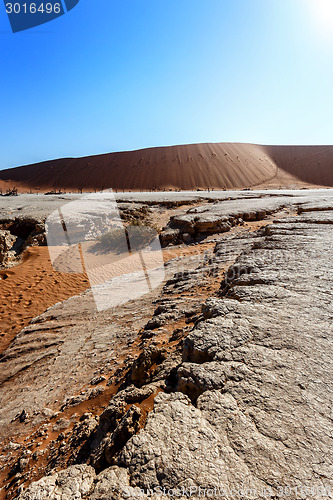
[(116, 75)]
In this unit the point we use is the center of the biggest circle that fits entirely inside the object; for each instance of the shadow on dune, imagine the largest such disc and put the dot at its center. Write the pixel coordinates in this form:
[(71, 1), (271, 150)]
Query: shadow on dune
[(185, 167)]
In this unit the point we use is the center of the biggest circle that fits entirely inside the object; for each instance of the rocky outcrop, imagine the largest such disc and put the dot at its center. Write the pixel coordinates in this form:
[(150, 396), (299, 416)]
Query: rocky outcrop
[(74, 482), (169, 235), (18, 234), (257, 373), (247, 408), (81, 482), (217, 218), (117, 424), (7, 254), (202, 224)]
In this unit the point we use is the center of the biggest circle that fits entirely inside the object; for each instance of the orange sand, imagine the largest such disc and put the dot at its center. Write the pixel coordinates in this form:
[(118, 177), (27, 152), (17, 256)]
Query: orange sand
[(28, 289), (187, 167)]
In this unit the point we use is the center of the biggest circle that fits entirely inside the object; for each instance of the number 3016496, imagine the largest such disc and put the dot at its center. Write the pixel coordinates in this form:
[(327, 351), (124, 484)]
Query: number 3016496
[(32, 8)]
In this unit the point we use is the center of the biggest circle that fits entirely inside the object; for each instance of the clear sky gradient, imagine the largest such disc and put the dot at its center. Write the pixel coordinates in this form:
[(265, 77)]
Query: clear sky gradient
[(116, 75)]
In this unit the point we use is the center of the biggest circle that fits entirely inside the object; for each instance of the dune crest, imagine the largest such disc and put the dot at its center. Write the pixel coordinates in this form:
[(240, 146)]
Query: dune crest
[(185, 167)]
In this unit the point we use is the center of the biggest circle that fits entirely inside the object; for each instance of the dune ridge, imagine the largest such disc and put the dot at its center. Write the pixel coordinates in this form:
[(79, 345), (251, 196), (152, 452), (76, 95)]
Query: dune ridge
[(184, 167)]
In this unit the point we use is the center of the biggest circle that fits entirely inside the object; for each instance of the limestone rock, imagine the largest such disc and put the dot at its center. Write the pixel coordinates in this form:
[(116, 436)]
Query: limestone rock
[(76, 482), (194, 379), (169, 236), (112, 484), (210, 224), (185, 223), (7, 241), (180, 448)]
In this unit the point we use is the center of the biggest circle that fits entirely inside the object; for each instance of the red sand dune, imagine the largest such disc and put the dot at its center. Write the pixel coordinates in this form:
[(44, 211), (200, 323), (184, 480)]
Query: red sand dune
[(186, 167)]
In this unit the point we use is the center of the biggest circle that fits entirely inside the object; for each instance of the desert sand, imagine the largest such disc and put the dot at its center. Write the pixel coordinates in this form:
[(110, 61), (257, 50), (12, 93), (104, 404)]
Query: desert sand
[(184, 167), (30, 288), (34, 285)]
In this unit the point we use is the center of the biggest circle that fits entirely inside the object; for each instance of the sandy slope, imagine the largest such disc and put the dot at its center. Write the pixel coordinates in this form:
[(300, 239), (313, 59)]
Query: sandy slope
[(196, 166), (30, 288)]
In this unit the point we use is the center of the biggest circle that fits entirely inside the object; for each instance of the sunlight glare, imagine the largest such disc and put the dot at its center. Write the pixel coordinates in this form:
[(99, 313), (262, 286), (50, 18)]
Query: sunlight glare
[(322, 13)]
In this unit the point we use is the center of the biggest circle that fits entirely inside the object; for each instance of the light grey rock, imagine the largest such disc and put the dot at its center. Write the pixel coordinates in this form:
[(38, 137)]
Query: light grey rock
[(310, 217), (184, 223), (257, 366), (194, 379), (216, 307), (74, 483), (40, 206), (180, 448), (216, 338), (323, 204), (258, 371), (134, 394), (112, 484), (210, 224), (7, 241), (170, 236)]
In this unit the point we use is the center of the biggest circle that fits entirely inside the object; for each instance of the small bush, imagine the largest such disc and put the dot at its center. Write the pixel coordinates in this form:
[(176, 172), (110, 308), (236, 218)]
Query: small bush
[(134, 237)]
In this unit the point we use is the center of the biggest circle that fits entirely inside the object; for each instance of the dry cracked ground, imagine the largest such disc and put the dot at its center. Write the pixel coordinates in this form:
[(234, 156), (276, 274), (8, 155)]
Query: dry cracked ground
[(217, 383)]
